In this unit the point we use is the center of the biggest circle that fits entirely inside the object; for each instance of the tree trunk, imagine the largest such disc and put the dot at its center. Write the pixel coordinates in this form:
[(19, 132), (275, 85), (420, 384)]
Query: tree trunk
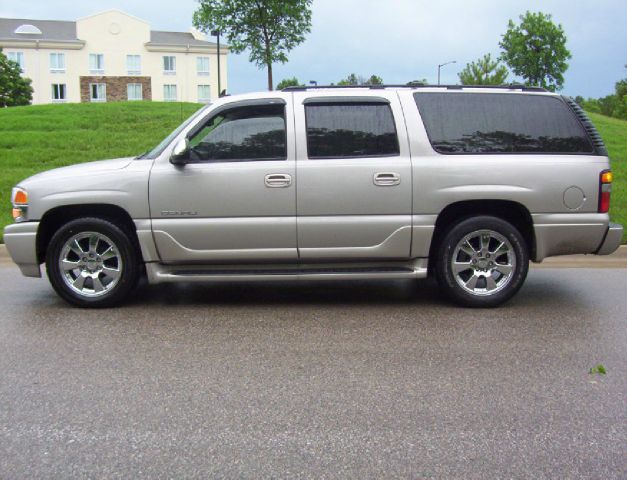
[(270, 83)]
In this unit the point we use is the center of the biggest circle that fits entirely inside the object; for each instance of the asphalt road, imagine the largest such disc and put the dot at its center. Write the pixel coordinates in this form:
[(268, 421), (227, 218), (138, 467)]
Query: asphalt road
[(328, 380)]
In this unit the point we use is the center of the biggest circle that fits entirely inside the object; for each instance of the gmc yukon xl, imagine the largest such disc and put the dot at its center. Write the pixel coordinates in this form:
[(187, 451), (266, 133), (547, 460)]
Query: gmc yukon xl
[(467, 184)]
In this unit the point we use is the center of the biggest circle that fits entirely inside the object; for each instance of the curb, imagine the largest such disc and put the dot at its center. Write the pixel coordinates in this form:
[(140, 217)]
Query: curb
[(618, 259)]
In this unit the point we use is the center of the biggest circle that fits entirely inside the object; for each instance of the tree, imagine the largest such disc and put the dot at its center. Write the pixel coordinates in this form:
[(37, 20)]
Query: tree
[(357, 80), (352, 79), (289, 82), (484, 71), (621, 99), (374, 80), (268, 28), (536, 50), (14, 89)]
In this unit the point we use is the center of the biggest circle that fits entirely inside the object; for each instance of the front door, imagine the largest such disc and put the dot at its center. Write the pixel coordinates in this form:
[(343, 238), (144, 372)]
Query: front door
[(234, 201), (354, 177)]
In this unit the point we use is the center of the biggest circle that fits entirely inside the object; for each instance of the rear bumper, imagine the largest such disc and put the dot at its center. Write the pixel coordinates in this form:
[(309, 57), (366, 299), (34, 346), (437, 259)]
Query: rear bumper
[(21, 242), (573, 233), (612, 239)]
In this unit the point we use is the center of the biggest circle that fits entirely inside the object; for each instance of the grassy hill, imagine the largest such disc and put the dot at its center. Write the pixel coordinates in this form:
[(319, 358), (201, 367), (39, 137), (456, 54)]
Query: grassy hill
[(614, 133), (37, 138)]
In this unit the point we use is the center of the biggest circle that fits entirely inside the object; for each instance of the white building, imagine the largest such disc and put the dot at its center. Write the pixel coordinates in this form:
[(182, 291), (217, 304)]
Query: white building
[(112, 56)]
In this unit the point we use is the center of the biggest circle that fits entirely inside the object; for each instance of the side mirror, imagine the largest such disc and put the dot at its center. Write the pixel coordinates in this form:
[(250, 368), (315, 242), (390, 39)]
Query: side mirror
[(180, 153)]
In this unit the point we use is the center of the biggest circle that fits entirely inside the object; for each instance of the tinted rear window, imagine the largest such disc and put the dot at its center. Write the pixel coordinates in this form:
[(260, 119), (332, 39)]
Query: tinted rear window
[(350, 130), (500, 123)]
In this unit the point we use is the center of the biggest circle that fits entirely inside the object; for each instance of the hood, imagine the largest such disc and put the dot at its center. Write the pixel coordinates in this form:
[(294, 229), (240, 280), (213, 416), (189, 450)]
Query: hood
[(79, 170)]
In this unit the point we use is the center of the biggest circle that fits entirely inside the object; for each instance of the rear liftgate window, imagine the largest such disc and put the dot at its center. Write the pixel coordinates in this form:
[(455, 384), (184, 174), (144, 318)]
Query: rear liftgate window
[(350, 130), (459, 123)]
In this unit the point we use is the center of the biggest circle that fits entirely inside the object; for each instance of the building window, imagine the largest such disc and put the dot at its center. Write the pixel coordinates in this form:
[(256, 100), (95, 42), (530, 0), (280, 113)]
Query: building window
[(133, 64), (169, 65), (58, 92), (17, 57), (134, 91), (202, 65), (169, 93), (204, 93), (57, 62), (98, 92), (96, 63)]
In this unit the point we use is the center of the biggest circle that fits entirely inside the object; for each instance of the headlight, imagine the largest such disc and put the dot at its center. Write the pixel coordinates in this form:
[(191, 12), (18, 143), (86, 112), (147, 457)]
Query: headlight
[(19, 199)]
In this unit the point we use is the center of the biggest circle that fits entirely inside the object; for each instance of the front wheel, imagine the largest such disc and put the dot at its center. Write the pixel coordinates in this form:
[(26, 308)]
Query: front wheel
[(92, 263), (482, 262)]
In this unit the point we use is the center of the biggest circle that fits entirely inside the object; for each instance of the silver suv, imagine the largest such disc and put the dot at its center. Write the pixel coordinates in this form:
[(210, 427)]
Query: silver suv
[(465, 183)]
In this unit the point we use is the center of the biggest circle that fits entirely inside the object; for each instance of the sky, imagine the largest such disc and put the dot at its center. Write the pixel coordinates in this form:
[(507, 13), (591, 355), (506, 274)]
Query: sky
[(399, 40)]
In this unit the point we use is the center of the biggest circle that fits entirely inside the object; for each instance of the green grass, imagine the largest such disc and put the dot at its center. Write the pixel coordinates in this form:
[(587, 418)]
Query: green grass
[(614, 133), (37, 138)]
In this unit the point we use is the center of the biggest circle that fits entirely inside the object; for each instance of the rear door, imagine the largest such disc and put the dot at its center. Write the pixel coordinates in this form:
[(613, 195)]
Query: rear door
[(354, 191)]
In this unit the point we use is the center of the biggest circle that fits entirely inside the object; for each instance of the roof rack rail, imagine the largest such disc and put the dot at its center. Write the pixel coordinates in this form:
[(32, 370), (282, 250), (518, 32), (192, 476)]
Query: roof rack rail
[(511, 86)]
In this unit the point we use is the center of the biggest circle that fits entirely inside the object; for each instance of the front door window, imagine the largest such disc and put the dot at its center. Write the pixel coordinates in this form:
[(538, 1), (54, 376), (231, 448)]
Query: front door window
[(241, 134)]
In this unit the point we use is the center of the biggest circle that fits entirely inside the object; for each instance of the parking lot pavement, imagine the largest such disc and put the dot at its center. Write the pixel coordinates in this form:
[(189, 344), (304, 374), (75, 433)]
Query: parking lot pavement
[(326, 380)]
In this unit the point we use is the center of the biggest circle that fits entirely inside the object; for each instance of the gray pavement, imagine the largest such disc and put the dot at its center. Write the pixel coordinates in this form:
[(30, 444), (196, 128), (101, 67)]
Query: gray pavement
[(326, 380)]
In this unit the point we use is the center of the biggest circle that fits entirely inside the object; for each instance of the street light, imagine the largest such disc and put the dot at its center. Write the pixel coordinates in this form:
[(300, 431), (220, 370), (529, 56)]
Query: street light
[(441, 65), (216, 33)]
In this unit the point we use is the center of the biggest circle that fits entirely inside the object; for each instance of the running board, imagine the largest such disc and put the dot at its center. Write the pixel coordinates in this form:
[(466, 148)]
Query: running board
[(159, 273)]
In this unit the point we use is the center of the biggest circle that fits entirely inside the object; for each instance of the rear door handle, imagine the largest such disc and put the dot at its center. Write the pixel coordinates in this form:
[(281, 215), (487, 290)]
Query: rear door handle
[(387, 179), (278, 180)]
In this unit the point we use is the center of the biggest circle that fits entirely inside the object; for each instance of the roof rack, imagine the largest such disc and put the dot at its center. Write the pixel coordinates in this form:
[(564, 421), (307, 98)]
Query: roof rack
[(512, 86)]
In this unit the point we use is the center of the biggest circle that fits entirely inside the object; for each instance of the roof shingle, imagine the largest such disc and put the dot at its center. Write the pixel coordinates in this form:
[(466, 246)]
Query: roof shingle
[(66, 31), (50, 29), (176, 38)]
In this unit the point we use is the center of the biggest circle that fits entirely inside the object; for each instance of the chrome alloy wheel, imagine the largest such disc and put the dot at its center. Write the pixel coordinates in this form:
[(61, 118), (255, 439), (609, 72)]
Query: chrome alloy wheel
[(90, 264), (483, 262)]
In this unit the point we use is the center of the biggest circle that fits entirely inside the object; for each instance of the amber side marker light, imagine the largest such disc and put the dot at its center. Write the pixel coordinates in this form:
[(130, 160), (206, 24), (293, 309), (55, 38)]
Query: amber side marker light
[(20, 198), (605, 190)]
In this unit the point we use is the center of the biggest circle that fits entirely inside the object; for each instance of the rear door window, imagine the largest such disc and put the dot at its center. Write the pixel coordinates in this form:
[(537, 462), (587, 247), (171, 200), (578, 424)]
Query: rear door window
[(350, 130), (474, 123)]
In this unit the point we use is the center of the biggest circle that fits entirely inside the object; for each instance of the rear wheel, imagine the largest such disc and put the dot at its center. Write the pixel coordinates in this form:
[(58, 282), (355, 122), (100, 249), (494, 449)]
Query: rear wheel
[(92, 263), (482, 262)]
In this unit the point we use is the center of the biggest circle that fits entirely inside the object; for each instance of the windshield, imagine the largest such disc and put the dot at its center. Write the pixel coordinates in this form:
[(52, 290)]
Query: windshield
[(155, 152)]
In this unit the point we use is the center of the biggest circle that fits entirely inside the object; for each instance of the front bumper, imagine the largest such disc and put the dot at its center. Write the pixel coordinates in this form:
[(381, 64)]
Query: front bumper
[(612, 240), (21, 242)]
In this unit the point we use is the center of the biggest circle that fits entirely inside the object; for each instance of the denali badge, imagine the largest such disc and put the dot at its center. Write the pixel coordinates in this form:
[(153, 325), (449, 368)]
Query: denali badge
[(178, 213)]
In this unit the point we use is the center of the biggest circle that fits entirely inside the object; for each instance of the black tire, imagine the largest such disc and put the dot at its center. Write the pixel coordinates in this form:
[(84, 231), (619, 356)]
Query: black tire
[(486, 270), (115, 289)]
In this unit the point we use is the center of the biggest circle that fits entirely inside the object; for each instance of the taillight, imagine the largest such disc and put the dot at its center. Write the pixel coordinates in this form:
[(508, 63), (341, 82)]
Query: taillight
[(605, 190)]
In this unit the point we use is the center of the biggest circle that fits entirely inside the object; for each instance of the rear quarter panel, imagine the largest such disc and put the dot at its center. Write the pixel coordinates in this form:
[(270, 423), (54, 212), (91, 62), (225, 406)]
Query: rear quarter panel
[(537, 181)]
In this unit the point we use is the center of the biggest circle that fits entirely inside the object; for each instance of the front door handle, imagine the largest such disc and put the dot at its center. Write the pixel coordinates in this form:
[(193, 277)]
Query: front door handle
[(387, 179), (278, 180)]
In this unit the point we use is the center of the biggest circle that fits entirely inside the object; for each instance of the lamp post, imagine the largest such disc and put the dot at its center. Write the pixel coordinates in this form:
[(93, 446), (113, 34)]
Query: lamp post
[(441, 65), (216, 33)]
